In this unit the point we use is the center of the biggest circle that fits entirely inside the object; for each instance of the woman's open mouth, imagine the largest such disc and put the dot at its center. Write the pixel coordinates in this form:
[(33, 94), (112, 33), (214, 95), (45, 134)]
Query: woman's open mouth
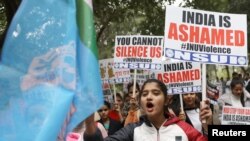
[(150, 107)]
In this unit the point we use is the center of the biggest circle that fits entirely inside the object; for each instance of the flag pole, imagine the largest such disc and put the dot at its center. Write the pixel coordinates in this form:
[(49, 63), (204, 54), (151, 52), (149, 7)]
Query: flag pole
[(204, 81), (134, 84), (181, 102), (204, 86), (114, 92)]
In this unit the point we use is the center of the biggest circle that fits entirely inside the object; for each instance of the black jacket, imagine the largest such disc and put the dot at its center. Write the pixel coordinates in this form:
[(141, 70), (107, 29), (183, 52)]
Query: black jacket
[(113, 126)]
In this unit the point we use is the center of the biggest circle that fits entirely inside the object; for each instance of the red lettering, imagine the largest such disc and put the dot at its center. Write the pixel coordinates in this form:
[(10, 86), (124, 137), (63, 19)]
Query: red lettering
[(118, 53), (197, 74), (172, 77), (158, 52), (205, 38), (185, 75), (247, 111), (140, 52), (194, 34), (239, 38), (217, 36), (166, 79), (172, 33), (159, 77), (229, 37), (178, 77), (226, 110), (183, 30), (240, 111), (133, 51), (124, 52), (145, 51), (191, 73), (152, 52), (204, 35)]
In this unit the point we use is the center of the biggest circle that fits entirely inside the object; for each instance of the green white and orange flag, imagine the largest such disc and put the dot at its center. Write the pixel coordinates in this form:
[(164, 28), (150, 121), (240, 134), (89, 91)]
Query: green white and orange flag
[(88, 64)]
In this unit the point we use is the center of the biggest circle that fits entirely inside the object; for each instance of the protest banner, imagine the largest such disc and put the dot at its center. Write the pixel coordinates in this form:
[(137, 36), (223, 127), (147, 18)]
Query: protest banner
[(181, 77), (138, 52), (205, 37), (111, 75), (235, 115)]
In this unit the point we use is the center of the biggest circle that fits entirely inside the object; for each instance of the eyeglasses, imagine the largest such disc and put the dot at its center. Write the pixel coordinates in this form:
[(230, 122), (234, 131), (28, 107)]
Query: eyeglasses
[(101, 110)]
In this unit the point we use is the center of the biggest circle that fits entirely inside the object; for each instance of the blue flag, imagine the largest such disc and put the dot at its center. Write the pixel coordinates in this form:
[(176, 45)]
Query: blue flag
[(49, 75)]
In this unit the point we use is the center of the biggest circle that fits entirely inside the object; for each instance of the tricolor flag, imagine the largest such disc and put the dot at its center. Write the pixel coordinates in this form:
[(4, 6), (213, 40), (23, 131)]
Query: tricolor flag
[(49, 74), (90, 97)]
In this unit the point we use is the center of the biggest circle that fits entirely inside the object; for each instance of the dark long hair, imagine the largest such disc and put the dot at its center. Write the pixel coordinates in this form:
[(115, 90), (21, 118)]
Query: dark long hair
[(197, 101), (162, 87), (236, 82), (175, 104)]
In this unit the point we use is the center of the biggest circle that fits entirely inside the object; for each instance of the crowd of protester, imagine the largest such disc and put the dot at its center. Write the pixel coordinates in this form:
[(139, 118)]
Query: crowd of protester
[(150, 113)]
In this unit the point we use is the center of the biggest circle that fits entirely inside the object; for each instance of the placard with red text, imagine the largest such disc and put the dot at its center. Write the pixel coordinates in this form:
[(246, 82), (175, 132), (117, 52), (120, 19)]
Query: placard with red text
[(235, 115), (138, 52), (206, 37), (181, 77)]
